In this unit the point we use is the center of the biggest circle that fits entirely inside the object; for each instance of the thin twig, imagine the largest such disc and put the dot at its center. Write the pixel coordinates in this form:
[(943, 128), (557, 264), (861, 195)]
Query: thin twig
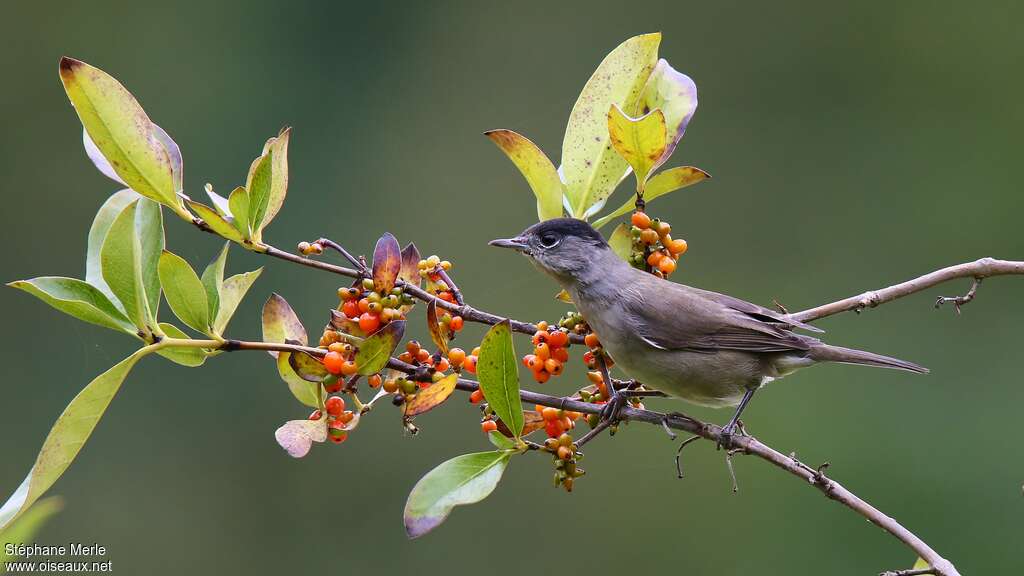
[(910, 572), (959, 301), (594, 432), (360, 265), (451, 284)]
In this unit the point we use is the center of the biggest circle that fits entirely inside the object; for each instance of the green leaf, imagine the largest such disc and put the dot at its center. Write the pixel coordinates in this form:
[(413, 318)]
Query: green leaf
[(279, 180), (185, 292), (149, 226), (621, 243), (500, 441), (280, 324), (590, 166), (122, 267), (675, 95), (498, 372), (25, 528), (77, 298), (217, 223), (258, 185), (375, 351), (465, 479), (640, 141), (432, 396), (387, 263), (67, 437), (238, 201), (297, 436), (920, 564), (190, 357), (231, 295), (535, 166), (304, 391), (98, 232), (121, 131), (213, 280), (307, 367), (662, 183)]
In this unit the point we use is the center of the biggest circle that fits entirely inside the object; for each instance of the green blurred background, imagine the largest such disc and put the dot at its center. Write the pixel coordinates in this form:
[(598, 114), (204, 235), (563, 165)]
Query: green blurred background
[(851, 147)]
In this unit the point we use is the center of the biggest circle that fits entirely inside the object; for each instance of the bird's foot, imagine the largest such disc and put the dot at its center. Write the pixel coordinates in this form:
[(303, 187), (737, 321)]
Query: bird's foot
[(611, 410), (725, 437)]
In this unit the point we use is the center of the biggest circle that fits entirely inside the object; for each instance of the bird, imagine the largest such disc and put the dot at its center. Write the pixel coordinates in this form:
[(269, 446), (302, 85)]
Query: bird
[(704, 347)]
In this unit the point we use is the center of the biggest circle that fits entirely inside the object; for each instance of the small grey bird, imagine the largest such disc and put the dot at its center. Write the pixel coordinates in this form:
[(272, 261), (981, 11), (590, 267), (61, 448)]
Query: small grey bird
[(701, 346)]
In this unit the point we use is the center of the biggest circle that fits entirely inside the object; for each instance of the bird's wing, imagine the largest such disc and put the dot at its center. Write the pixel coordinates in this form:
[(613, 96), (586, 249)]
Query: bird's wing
[(676, 317), (753, 310)]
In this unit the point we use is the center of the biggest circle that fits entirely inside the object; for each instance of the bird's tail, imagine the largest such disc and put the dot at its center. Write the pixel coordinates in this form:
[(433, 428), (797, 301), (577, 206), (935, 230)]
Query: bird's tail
[(826, 353)]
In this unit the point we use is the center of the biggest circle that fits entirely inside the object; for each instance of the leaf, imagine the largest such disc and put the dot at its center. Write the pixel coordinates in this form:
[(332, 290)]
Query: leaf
[(387, 263), (920, 564), (25, 528), (173, 154), (78, 299), (185, 292), (307, 367), (535, 166), (279, 180), (149, 226), (500, 441), (662, 183), (213, 280), (591, 169), (98, 159), (532, 421), (231, 295), (409, 272), (257, 185), (375, 351), (190, 357), (432, 396), (121, 131), (98, 232), (465, 479), (640, 141), (498, 372), (238, 200), (304, 391), (67, 437), (621, 242), (564, 297), (675, 95), (220, 203), (122, 266), (297, 436), (216, 222), (280, 323), (438, 333)]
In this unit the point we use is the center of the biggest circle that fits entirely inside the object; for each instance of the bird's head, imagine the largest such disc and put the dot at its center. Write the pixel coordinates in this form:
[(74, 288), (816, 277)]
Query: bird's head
[(565, 248)]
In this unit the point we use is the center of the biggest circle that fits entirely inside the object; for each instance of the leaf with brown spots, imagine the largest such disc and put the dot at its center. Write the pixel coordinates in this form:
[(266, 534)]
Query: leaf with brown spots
[(307, 367), (438, 333), (409, 271), (432, 396), (532, 421), (640, 141), (375, 351), (387, 263), (535, 166), (280, 323)]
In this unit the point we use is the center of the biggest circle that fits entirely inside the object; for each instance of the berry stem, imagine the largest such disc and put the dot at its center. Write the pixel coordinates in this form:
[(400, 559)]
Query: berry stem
[(348, 256)]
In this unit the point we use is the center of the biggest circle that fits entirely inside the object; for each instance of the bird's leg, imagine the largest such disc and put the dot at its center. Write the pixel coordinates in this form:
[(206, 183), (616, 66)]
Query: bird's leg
[(611, 410), (725, 436)]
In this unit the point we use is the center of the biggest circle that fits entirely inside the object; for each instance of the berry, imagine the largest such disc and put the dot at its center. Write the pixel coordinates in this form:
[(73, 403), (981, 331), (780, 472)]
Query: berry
[(336, 347), (369, 322), (549, 414), (412, 347), (558, 339), (333, 362), (591, 340), (335, 405), (542, 351), (649, 236), (374, 381), (350, 308), (667, 265), (663, 228), (560, 354), (391, 386), (470, 364), (456, 356), (488, 426), (333, 384), (441, 366), (553, 366), (677, 246), (456, 323), (564, 453), (476, 397), (640, 220), (423, 355), (316, 415), (541, 376), (349, 368)]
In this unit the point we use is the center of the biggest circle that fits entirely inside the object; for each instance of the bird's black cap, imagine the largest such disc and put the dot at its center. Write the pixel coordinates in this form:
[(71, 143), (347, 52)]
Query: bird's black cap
[(567, 227)]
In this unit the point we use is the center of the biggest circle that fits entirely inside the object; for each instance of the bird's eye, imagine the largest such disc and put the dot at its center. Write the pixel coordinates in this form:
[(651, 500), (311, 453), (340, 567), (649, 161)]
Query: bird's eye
[(549, 240)]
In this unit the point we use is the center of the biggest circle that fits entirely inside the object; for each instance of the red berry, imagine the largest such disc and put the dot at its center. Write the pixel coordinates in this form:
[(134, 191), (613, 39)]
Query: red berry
[(456, 323), (335, 405), (558, 339), (488, 426), (476, 397), (553, 429), (375, 381), (369, 322), (333, 362), (560, 354), (470, 364), (591, 340), (350, 308), (316, 415)]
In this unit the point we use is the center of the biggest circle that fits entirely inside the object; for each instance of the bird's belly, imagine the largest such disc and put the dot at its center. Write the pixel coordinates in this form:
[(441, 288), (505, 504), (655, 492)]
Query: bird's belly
[(716, 379)]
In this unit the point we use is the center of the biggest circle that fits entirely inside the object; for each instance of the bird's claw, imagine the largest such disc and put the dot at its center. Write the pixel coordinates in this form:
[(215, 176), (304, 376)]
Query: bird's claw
[(611, 410)]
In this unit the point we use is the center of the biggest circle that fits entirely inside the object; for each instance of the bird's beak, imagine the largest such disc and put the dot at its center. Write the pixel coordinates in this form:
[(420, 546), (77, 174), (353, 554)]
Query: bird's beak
[(514, 243)]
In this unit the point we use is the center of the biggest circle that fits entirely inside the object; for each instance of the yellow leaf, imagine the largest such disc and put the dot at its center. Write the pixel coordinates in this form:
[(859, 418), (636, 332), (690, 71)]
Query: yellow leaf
[(640, 141), (535, 166)]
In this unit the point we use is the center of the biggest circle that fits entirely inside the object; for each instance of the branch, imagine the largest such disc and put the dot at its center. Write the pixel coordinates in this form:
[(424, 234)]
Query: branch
[(910, 572), (979, 269)]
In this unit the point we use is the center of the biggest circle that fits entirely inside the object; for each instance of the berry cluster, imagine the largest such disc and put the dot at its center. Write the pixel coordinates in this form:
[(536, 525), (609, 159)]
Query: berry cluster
[(566, 458), (337, 417), (550, 353), (368, 309), (431, 269), (654, 249), (557, 422)]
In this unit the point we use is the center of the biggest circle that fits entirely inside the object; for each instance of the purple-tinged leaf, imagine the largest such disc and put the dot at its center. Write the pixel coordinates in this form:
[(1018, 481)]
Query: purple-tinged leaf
[(280, 323), (438, 333), (387, 263), (307, 367), (465, 479), (676, 95), (297, 436), (409, 271), (98, 159)]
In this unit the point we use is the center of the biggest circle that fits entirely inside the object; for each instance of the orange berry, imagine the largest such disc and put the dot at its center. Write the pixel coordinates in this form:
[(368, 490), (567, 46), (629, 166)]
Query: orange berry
[(553, 429), (456, 323), (540, 336), (677, 246), (550, 414), (374, 380), (349, 368), (558, 339), (350, 308), (476, 397), (595, 377), (412, 346), (573, 415), (422, 355), (369, 322), (542, 325), (405, 357), (442, 365), (591, 340), (649, 236), (539, 408), (333, 362), (470, 364), (640, 220), (456, 356), (335, 405), (364, 304), (564, 452), (346, 416), (667, 265), (541, 376), (488, 426), (560, 354), (553, 366), (542, 351), (530, 360), (337, 347), (391, 386), (664, 229), (654, 258)]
